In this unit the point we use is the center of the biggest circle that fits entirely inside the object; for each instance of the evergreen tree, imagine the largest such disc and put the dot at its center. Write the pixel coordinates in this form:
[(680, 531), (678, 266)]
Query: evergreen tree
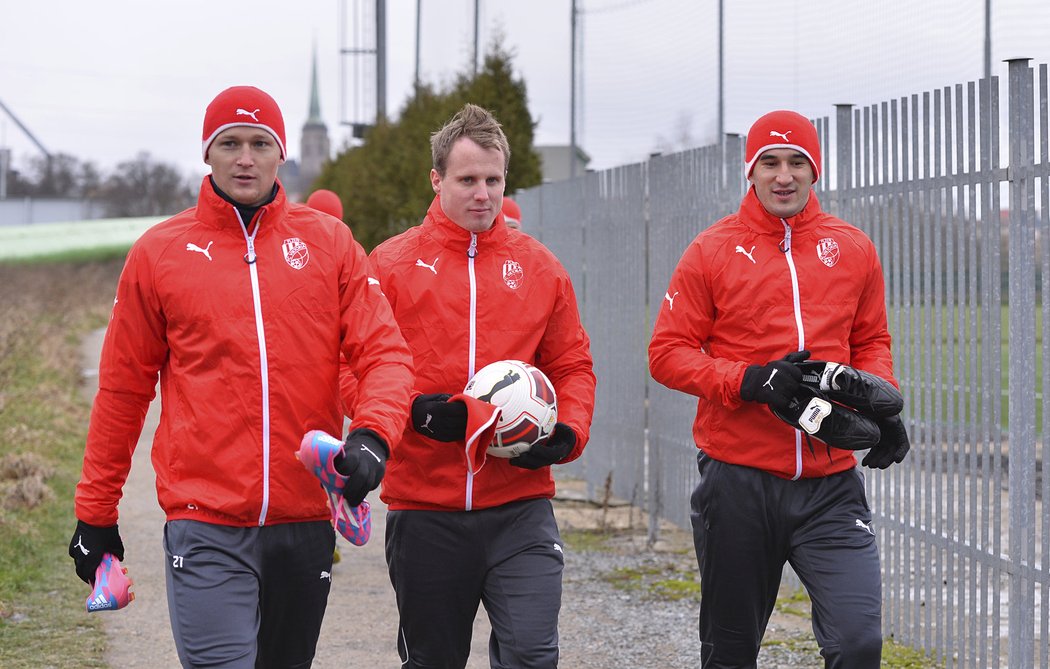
[(385, 182), (496, 89)]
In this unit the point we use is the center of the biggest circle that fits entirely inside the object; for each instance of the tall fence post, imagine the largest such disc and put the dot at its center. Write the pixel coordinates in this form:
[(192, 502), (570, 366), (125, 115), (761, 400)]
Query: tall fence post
[(843, 154), (1021, 412), (733, 154)]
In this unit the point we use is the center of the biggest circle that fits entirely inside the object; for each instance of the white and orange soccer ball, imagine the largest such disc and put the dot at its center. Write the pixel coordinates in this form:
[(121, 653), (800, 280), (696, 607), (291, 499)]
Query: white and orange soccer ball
[(526, 398)]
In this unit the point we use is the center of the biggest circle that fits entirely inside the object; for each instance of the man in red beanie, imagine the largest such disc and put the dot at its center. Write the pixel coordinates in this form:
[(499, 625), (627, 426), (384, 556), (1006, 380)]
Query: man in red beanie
[(327, 201), (241, 307), (752, 297), (511, 213)]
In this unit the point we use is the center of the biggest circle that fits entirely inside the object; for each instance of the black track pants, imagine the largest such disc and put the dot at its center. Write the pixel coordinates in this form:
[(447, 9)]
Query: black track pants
[(747, 524), (444, 564)]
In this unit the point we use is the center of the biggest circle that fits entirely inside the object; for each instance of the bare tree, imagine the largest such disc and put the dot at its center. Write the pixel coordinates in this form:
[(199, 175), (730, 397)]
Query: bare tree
[(144, 187)]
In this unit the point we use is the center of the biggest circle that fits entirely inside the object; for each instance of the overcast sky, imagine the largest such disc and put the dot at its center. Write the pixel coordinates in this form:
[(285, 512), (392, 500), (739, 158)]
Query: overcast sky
[(105, 80)]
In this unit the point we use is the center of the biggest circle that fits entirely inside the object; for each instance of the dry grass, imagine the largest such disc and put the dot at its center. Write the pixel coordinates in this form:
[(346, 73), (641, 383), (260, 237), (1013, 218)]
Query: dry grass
[(45, 310)]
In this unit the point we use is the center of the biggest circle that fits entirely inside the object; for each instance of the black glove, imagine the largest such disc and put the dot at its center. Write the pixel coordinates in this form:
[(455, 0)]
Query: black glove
[(363, 462), (893, 444), (552, 450), (87, 546), (435, 417), (774, 383)]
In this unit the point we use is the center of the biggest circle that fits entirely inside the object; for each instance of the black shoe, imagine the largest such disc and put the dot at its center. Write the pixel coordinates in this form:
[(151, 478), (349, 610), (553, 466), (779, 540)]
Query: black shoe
[(834, 424), (869, 394)]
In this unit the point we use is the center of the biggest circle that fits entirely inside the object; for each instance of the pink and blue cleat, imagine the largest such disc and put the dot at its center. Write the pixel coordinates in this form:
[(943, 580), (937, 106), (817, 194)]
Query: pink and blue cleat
[(317, 452), (112, 589)]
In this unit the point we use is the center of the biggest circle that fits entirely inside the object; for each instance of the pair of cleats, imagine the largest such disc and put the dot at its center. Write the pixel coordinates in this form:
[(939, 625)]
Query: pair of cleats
[(318, 452), (840, 405), (112, 589)]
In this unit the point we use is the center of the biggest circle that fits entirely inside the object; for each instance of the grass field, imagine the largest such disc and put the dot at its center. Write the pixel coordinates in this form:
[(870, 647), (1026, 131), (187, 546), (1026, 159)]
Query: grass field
[(46, 240), (45, 309), (951, 347)]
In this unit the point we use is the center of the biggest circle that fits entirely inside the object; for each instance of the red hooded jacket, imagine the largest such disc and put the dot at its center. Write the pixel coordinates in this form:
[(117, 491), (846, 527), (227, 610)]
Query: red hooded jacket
[(464, 300), (750, 289), (247, 356)]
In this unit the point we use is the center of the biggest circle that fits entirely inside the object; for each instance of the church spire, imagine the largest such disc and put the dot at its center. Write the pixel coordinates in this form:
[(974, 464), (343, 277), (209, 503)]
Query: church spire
[(315, 99)]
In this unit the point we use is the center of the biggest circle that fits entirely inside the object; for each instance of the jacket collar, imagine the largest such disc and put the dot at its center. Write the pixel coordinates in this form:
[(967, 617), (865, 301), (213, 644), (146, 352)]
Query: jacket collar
[(450, 235), (214, 210), (755, 215)]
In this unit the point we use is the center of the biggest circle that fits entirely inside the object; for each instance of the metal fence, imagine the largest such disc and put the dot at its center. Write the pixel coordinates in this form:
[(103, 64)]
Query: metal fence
[(953, 189)]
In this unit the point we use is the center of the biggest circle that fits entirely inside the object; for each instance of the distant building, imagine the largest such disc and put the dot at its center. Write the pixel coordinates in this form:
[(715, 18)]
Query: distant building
[(556, 161), (314, 148)]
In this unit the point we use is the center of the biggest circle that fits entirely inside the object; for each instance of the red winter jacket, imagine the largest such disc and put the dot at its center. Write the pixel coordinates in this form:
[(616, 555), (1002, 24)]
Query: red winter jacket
[(736, 299), (511, 300), (247, 356)]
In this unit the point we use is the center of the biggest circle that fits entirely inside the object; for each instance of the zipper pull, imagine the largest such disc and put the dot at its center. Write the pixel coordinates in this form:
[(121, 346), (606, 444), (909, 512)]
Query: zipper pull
[(249, 257), (472, 250), (785, 243)]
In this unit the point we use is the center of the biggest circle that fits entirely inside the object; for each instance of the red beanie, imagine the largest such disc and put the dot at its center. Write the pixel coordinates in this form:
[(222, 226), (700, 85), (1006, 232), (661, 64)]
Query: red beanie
[(782, 129), (511, 212), (326, 201), (242, 105)]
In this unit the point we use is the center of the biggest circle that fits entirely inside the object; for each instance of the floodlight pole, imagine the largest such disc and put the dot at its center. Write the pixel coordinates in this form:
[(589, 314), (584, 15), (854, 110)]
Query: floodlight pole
[(987, 39), (477, 11), (572, 95), (419, 14)]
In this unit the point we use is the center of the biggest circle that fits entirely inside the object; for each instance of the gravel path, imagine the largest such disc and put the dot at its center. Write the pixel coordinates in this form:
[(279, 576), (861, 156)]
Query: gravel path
[(602, 626)]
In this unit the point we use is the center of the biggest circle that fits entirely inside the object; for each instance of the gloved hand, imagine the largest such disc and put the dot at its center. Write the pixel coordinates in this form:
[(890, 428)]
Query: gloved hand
[(555, 448), (87, 546), (893, 445), (435, 417), (774, 383), (363, 463)]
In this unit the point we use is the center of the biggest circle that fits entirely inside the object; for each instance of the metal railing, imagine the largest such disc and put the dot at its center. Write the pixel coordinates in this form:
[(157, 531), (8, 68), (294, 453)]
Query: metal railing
[(964, 535)]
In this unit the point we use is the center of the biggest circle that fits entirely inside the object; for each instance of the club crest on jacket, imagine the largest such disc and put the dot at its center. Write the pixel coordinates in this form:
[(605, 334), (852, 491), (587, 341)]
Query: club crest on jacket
[(828, 251), (295, 252), (513, 274)]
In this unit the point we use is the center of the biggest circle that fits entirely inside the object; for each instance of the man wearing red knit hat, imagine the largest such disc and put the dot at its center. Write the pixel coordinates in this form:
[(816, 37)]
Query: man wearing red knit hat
[(327, 201), (752, 299), (241, 307), (511, 213)]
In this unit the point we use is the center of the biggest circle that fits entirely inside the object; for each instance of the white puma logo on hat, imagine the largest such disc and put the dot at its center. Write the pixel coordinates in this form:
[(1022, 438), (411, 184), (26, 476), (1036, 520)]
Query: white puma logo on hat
[(245, 112), (772, 133)]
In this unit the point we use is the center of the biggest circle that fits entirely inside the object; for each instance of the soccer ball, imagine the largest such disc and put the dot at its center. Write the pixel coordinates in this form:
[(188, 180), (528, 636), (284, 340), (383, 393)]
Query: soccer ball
[(527, 400)]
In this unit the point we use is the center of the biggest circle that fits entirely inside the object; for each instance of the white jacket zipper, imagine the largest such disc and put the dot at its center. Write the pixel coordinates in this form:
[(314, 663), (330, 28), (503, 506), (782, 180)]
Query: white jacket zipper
[(260, 332), (785, 247), (472, 251)]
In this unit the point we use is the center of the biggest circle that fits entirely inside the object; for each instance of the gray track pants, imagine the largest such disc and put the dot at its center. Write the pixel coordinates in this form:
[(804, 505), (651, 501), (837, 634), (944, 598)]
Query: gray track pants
[(247, 597)]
